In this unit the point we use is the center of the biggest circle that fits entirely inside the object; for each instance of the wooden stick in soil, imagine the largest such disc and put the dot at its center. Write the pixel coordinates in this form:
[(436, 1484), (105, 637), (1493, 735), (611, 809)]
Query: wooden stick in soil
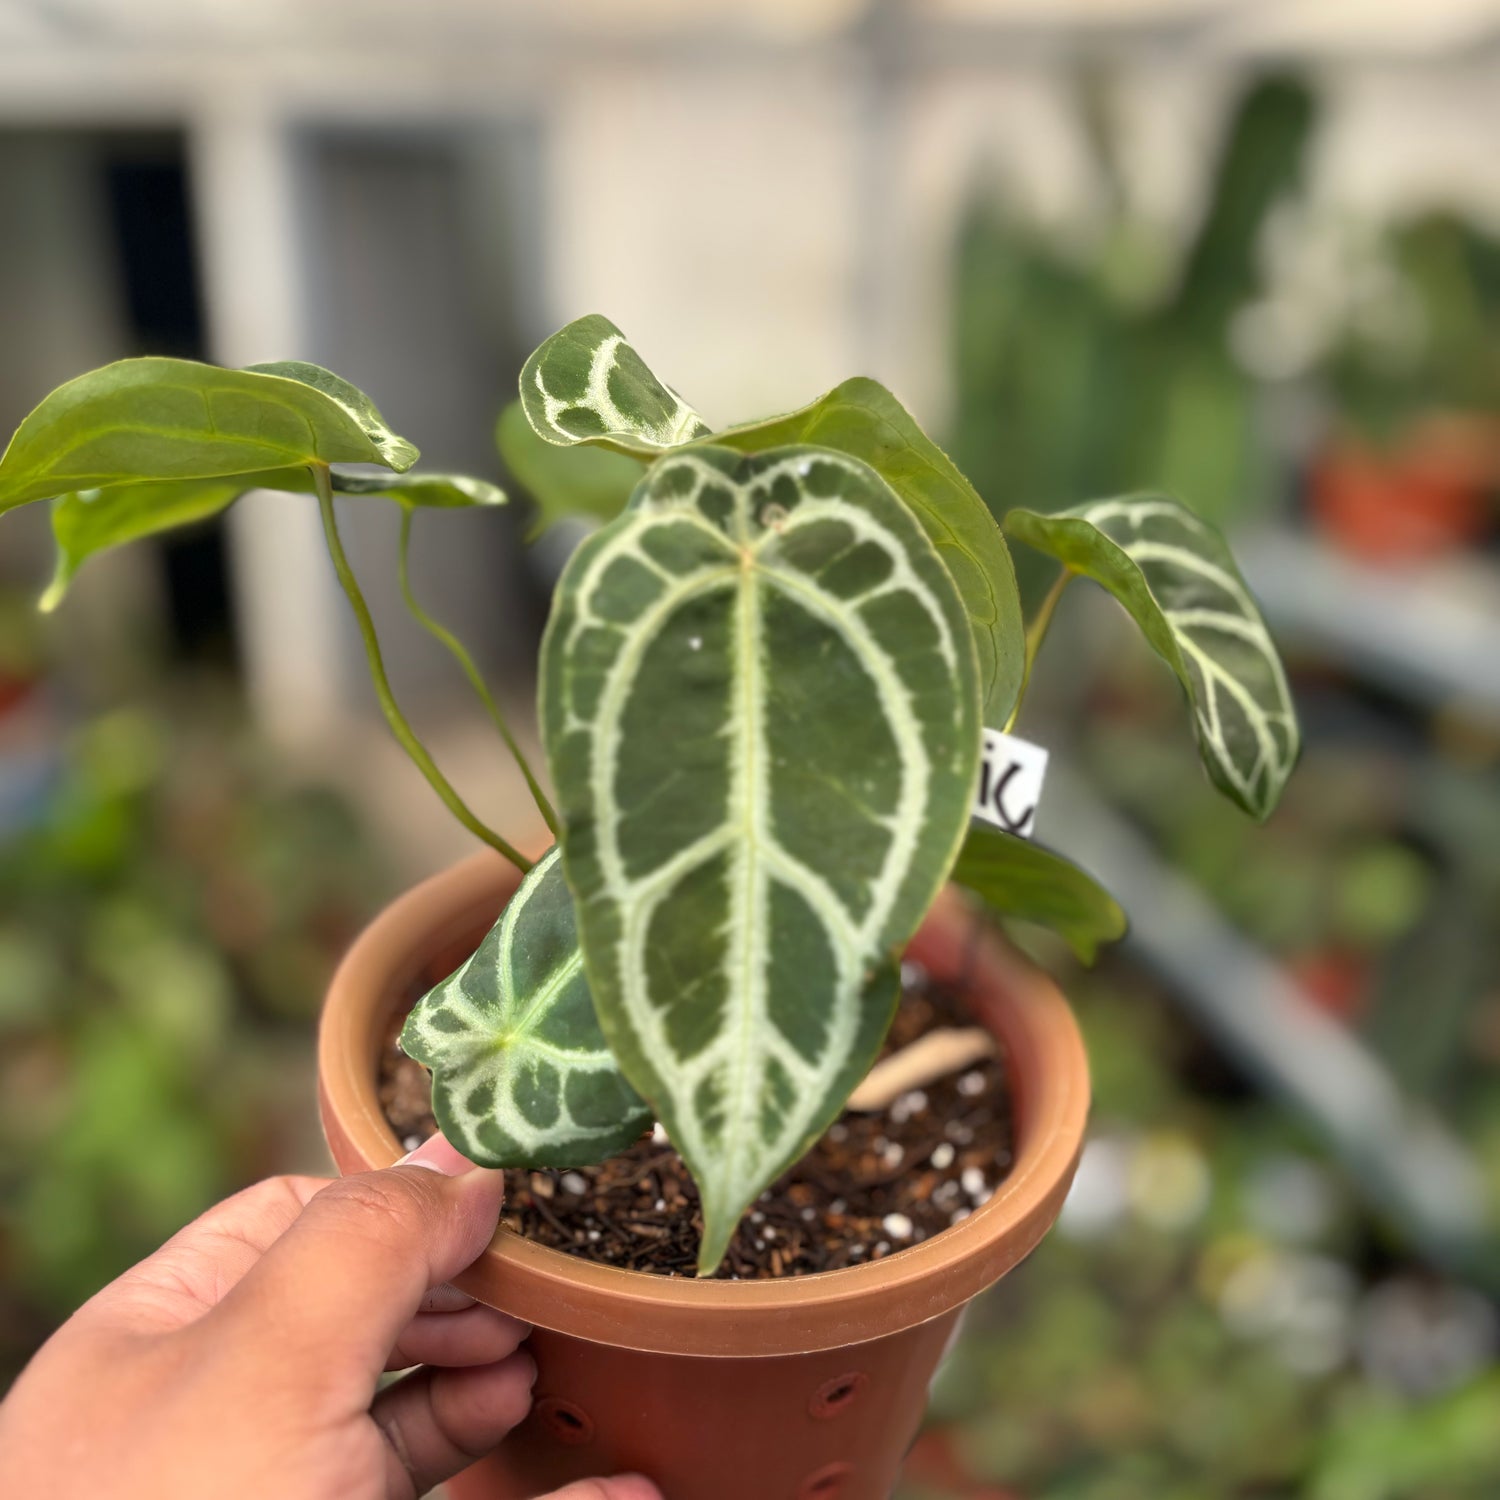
[(932, 1056)]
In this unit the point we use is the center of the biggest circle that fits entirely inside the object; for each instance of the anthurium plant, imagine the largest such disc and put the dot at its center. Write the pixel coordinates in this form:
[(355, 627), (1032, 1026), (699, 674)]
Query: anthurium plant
[(763, 691)]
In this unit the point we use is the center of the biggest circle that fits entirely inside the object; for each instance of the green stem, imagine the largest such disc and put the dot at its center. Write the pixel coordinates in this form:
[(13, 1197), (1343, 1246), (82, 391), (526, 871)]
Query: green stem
[(403, 731), (445, 637), (1036, 633)]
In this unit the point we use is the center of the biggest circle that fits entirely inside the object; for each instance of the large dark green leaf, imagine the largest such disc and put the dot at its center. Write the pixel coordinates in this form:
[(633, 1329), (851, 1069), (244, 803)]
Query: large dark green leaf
[(586, 384), (521, 1075), (87, 522), (158, 419), (1020, 879), (862, 418), (579, 481), (1175, 576), (761, 711)]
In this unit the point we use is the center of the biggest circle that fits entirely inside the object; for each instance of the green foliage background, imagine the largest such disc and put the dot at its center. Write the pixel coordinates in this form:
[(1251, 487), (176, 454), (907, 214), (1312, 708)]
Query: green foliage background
[(169, 913)]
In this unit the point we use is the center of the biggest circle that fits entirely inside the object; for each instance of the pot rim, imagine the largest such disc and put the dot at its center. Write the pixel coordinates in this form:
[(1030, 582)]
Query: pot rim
[(1048, 1074)]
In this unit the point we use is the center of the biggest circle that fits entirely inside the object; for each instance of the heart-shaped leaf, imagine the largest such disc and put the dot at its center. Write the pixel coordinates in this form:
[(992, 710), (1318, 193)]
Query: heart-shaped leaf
[(87, 522), (862, 418), (577, 481), (859, 417), (521, 1075), (1175, 576), (158, 419), (586, 384), (760, 707), (1020, 879)]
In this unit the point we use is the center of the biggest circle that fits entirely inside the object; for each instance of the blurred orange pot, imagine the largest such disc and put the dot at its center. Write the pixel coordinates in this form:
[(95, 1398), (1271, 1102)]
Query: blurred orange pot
[(806, 1388), (1427, 495)]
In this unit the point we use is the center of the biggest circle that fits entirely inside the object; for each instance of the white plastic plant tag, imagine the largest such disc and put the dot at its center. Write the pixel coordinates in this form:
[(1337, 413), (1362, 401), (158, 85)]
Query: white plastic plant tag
[(1011, 773)]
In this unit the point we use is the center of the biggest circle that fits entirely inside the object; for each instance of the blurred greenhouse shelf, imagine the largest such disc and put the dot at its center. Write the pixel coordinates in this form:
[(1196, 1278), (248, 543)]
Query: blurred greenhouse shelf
[(172, 900), (1430, 630), (1412, 1167)]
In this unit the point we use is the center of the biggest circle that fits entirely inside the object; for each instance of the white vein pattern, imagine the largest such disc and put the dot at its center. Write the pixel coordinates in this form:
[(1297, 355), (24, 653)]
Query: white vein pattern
[(741, 1158), (1175, 567), (479, 1033), (679, 424)]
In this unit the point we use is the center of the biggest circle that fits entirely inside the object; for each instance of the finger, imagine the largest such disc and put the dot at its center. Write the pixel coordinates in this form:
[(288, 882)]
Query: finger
[(203, 1262), (348, 1276), (476, 1336), (437, 1422), (445, 1299), (620, 1487)]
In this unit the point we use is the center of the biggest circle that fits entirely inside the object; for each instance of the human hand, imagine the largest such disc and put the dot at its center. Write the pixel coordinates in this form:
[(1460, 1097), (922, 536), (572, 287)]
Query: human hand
[(242, 1359)]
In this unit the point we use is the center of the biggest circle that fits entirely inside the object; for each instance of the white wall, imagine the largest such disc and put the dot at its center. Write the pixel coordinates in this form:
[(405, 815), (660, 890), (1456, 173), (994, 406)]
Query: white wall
[(764, 199)]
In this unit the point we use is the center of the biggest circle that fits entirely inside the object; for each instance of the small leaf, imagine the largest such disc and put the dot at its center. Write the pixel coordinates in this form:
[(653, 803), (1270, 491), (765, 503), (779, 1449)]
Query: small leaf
[(862, 418), (760, 708), (521, 1075), (1176, 578), (580, 481), (1020, 879), (585, 384), (87, 522), (159, 419)]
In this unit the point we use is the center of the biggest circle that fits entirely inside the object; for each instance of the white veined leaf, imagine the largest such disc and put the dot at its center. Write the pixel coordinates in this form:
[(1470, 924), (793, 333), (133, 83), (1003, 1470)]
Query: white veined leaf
[(863, 419), (760, 705), (586, 384), (1175, 576), (521, 1074)]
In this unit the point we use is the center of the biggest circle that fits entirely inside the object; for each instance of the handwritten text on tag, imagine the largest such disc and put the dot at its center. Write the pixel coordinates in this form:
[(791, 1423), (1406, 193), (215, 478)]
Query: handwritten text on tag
[(1011, 772)]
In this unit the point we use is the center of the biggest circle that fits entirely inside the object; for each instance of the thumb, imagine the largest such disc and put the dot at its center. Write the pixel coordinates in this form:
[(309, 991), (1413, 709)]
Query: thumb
[(346, 1278)]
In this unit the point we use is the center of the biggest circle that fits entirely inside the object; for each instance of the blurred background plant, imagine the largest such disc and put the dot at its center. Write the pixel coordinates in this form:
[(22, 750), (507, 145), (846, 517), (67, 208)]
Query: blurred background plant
[(1100, 359), (171, 904), (1246, 252)]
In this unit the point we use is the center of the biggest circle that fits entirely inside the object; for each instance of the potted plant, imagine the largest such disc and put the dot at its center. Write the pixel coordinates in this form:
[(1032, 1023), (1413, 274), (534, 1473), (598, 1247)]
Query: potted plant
[(767, 688), (1409, 468)]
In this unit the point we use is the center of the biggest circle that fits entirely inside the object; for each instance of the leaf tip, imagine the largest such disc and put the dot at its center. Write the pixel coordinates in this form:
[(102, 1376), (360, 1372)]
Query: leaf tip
[(408, 1040), (395, 452), (57, 590), (713, 1247)]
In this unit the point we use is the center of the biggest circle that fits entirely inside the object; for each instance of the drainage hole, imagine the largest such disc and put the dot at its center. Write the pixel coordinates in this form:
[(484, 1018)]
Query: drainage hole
[(837, 1395), (567, 1422), (825, 1483)]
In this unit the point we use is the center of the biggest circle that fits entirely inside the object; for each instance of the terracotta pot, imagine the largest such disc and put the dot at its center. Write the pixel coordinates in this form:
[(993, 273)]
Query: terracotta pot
[(805, 1388), (1425, 497)]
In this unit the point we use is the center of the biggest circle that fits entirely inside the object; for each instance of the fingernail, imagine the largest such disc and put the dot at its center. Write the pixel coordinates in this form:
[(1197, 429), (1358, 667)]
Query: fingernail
[(437, 1155)]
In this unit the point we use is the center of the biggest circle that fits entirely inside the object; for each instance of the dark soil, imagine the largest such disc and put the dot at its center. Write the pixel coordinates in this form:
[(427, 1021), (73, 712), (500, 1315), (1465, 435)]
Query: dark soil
[(872, 1186)]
